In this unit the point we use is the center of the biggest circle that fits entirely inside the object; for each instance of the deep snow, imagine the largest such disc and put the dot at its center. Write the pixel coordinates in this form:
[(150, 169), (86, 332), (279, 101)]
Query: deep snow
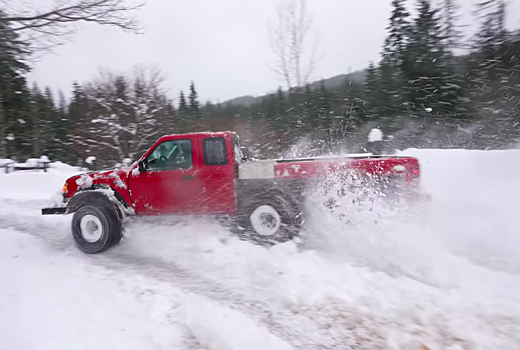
[(381, 280)]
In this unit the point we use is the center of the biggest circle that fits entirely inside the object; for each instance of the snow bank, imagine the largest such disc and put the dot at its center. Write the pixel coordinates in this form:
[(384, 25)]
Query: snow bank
[(36, 185), (4, 162), (476, 196)]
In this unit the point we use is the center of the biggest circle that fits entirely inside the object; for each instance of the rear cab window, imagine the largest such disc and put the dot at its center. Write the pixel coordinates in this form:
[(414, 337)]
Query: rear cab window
[(214, 151)]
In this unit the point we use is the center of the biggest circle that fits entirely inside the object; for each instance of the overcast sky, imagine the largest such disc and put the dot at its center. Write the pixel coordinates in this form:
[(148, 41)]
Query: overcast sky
[(222, 45)]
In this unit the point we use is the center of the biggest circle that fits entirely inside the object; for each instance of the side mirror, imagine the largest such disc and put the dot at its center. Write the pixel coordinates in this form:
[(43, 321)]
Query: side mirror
[(141, 166)]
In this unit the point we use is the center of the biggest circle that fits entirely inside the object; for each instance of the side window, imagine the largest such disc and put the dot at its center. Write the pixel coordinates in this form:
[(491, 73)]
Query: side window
[(171, 155), (214, 151)]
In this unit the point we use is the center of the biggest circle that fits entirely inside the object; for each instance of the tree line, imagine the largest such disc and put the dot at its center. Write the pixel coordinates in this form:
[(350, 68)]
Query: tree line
[(432, 87)]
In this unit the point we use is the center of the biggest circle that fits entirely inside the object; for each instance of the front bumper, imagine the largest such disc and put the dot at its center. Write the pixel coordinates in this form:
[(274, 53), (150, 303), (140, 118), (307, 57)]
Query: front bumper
[(54, 211), (59, 207)]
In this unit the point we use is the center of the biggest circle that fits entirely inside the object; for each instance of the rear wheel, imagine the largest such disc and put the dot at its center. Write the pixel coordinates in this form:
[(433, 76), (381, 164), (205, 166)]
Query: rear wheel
[(270, 221), (96, 226)]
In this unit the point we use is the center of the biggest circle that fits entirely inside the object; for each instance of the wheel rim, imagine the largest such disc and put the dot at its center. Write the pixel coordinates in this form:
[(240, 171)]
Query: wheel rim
[(265, 220), (91, 228)]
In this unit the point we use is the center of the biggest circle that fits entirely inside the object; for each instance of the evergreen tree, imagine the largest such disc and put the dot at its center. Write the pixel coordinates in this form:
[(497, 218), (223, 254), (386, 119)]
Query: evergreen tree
[(395, 59), (452, 34), (491, 39), (281, 107), (323, 107), (51, 119), (308, 121), (183, 110), (425, 71), (396, 43), (457, 106), (37, 106), (14, 94), (194, 102), (79, 116), (494, 80), (208, 112), (171, 113), (392, 99), (61, 129), (183, 120), (372, 90)]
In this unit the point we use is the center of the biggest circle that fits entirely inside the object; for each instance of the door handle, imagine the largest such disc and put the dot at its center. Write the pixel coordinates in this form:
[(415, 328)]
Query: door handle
[(188, 177)]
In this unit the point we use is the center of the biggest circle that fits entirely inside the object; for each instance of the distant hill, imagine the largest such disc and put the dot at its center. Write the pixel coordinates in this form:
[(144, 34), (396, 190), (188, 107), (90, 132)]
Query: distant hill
[(338, 80), (330, 83), (245, 101)]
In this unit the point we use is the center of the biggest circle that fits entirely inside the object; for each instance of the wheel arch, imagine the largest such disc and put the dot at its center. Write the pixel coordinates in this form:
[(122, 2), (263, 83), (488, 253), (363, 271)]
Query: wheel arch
[(120, 204), (292, 192)]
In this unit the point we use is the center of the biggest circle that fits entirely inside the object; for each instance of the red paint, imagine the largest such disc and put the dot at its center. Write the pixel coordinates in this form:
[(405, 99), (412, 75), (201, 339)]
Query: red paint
[(166, 191), (115, 179), (200, 189), (217, 182), (210, 189)]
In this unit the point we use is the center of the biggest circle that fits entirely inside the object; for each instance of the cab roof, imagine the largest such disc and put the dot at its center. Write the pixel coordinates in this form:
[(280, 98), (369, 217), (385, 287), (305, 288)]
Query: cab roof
[(202, 133)]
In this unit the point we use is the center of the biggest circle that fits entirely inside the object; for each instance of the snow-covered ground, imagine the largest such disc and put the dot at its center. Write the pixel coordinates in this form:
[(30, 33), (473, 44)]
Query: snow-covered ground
[(381, 280)]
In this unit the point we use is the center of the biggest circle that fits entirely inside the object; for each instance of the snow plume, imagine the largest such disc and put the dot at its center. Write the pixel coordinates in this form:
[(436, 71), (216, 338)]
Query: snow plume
[(365, 220), (305, 148)]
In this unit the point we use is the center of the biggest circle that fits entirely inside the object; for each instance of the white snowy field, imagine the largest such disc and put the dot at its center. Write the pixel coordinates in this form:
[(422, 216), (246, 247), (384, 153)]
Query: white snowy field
[(384, 281)]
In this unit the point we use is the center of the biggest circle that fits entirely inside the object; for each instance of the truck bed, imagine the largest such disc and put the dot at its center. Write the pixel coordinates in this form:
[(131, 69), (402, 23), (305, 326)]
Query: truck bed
[(407, 167)]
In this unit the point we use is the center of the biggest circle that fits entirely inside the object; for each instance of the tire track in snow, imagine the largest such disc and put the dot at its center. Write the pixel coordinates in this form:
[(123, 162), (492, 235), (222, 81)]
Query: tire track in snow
[(297, 329)]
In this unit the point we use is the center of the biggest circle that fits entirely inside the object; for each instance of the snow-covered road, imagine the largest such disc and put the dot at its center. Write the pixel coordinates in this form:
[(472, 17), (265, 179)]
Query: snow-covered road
[(391, 282)]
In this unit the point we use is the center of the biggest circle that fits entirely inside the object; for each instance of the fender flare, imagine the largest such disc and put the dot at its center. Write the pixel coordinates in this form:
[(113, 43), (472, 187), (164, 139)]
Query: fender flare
[(123, 209), (285, 196), (291, 191)]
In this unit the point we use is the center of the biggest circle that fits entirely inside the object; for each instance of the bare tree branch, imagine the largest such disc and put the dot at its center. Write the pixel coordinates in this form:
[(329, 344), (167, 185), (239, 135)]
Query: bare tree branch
[(105, 12), (47, 28), (289, 39)]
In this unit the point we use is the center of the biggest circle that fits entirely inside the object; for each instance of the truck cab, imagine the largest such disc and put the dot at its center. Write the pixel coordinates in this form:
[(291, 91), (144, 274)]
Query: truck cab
[(187, 174)]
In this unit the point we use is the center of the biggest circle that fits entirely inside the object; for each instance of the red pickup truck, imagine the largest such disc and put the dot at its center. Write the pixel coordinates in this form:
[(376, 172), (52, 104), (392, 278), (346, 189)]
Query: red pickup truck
[(206, 173)]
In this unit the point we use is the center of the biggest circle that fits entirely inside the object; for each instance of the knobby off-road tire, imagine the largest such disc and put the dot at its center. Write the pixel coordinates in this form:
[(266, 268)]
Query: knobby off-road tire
[(96, 225), (269, 219)]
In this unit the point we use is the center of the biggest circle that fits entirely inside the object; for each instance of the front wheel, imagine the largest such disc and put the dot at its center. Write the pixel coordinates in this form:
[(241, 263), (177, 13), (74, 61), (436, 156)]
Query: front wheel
[(96, 228)]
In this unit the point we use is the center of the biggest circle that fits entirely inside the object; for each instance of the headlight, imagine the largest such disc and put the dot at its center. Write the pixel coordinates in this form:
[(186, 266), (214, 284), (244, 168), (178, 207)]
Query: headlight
[(65, 189)]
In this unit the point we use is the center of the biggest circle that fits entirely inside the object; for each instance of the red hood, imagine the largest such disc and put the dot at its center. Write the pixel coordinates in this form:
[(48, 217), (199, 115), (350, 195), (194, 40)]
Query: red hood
[(116, 179)]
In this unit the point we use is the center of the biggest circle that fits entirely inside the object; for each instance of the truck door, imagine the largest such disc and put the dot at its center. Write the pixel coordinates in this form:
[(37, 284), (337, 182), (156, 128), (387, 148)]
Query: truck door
[(170, 184), (217, 174)]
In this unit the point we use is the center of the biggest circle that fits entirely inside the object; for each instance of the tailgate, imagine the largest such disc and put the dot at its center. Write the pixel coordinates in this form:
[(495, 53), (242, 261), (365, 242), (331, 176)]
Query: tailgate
[(402, 168)]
